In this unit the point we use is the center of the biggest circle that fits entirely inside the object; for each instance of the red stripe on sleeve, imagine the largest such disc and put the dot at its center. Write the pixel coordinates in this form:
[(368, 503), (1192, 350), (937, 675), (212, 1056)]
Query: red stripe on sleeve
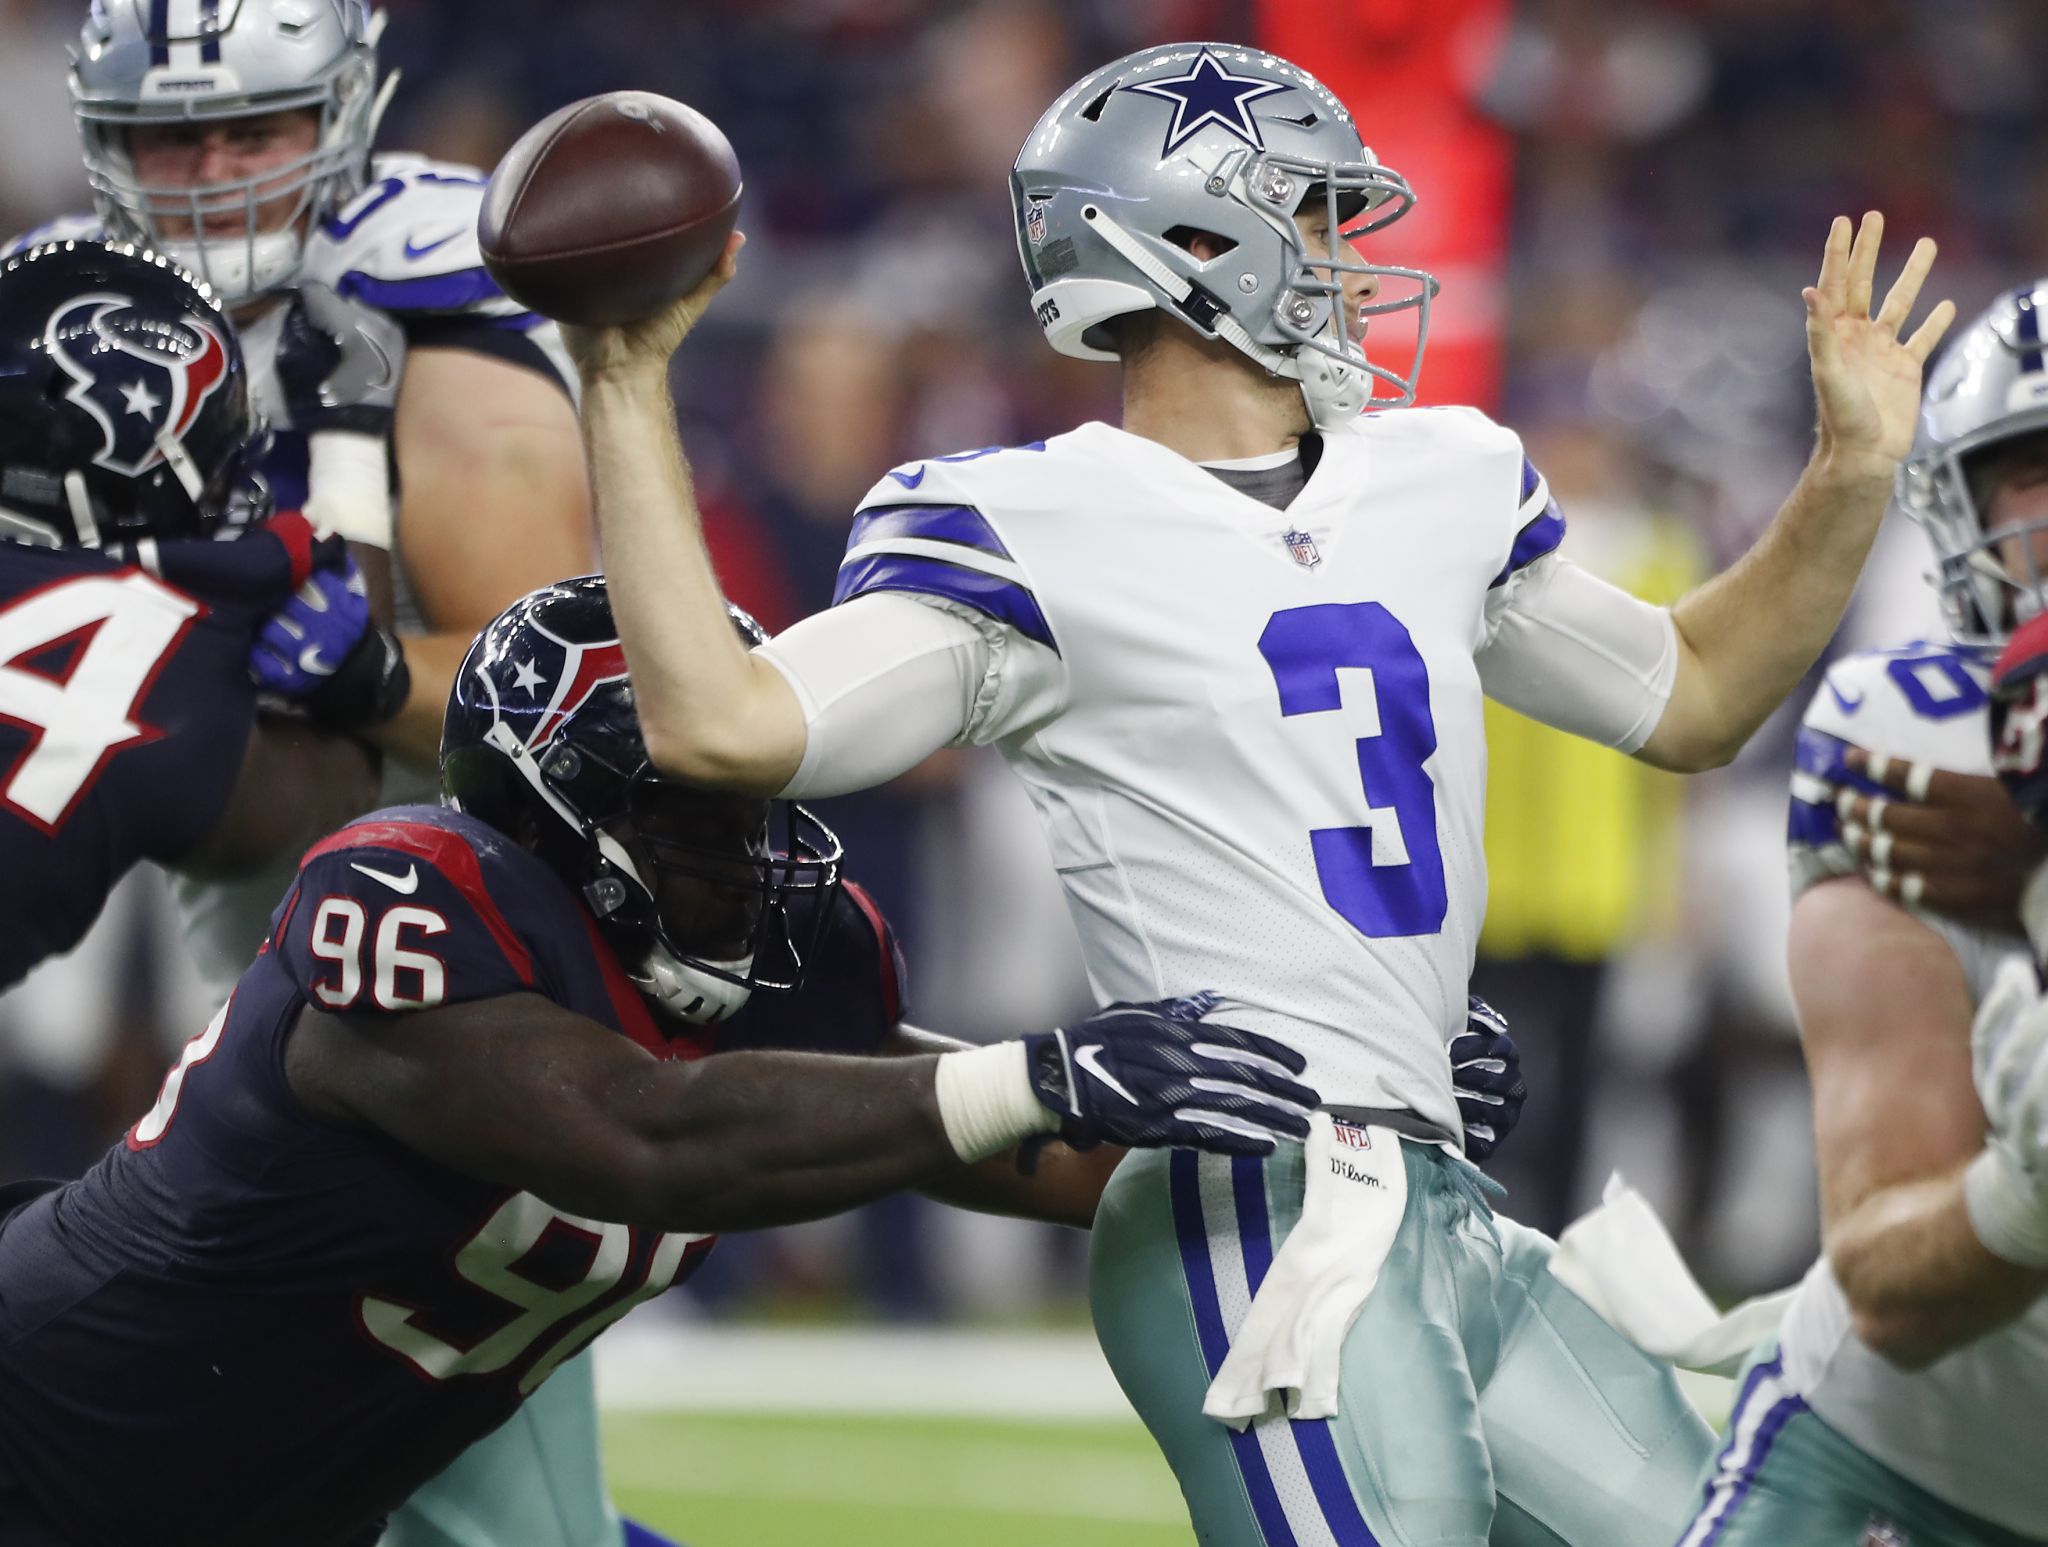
[(295, 532), (447, 853)]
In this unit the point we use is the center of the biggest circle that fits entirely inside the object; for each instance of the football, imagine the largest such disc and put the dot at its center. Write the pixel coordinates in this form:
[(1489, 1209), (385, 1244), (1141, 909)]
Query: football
[(609, 209)]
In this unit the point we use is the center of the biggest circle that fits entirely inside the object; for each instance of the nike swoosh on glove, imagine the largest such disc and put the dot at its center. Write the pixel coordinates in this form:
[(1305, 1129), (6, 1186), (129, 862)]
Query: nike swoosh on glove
[(322, 652), (1486, 1071), (339, 363), (1154, 1075)]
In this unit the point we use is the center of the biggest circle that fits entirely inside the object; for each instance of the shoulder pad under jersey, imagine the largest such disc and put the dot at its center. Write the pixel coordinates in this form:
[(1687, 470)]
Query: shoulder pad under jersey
[(407, 243)]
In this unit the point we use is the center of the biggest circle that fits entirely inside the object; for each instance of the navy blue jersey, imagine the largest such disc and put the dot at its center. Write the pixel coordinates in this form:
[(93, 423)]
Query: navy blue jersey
[(250, 1325), (125, 711)]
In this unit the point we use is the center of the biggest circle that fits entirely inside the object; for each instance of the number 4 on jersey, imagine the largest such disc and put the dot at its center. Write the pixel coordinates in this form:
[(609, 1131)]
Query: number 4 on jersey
[(123, 628), (1387, 878)]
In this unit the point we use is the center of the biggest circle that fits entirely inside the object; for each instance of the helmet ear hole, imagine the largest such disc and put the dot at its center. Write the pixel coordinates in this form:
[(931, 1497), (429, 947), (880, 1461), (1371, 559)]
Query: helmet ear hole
[(1202, 246)]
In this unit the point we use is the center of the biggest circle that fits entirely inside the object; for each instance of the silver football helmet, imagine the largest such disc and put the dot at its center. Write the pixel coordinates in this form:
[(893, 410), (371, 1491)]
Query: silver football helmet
[(1222, 139), (157, 62), (1988, 389)]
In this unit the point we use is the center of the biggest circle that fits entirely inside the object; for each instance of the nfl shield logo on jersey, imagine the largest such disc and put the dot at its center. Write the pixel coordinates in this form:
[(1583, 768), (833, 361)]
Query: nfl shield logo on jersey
[(1303, 547)]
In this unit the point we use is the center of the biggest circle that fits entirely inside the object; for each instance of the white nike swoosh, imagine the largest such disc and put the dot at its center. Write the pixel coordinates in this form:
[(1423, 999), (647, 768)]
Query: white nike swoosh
[(404, 885), (312, 665), (1090, 1058)]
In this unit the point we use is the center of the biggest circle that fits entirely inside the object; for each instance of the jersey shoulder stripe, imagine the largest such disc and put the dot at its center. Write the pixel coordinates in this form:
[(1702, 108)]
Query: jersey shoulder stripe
[(408, 243), (416, 834), (1541, 529), (996, 596), (963, 525)]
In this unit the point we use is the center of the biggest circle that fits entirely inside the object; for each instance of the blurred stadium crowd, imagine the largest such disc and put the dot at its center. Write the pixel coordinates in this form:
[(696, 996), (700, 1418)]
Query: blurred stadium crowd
[(1674, 165)]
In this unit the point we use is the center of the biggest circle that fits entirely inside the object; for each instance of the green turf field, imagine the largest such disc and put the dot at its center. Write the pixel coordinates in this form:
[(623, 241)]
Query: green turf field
[(724, 1481)]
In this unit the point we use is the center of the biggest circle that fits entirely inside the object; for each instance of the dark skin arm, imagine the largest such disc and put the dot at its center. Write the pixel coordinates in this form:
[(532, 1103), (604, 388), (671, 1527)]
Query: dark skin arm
[(296, 785), (1063, 1188), (1965, 842), (522, 1093)]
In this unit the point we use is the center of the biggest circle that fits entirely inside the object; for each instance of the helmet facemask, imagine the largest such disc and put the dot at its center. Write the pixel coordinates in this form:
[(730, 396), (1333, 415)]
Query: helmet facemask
[(1329, 362), (248, 261), (1947, 492)]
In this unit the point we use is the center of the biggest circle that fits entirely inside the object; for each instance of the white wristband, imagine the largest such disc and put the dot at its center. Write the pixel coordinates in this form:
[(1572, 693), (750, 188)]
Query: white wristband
[(348, 486), (2007, 1210), (986, 1100)]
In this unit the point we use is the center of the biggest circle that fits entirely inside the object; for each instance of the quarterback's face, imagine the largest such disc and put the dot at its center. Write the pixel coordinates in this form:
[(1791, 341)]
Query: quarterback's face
[(701, 852), (210, 153), (1321, 242)]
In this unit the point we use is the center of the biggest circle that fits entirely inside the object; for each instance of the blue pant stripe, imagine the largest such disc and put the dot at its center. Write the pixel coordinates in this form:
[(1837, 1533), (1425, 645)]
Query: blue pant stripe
[(1721, 1505), (1193, 1234), (1311, 1436)]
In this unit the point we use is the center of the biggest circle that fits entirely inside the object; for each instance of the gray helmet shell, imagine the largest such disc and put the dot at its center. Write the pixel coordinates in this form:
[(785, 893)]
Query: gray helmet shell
[(141, 63), (1227, 140), (1989, 388)]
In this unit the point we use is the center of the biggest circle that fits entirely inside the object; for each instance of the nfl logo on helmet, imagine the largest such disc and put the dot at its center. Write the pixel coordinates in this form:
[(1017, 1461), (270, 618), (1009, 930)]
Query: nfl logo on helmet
[(1303, 547), (1034, 222)]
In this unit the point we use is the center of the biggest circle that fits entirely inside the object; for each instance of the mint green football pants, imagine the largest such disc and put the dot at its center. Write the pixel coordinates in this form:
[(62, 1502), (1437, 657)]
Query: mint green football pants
[(535, 1481), (1782, 1476), (1480, 1401)]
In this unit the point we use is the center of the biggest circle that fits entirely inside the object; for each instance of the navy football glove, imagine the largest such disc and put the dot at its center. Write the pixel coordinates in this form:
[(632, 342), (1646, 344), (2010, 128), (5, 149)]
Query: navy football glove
[(1152, 1075), (321, 651), (1487, 1073)]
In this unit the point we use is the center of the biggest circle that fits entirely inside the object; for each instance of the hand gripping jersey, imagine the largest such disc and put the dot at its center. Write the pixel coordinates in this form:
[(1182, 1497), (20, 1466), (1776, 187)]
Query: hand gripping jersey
[(1253, 736), (248, 1325), (1950, 1428), (125, 712)]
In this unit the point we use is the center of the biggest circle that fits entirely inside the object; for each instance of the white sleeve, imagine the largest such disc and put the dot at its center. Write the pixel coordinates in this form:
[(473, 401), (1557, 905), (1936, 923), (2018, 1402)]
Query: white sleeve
[(1579, 654), (887, 679)]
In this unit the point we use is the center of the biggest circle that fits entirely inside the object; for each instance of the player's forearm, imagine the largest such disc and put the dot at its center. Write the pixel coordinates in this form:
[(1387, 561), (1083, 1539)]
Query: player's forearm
[(745, 1141), (1919, 1282), (1747, 636), (710, 712)]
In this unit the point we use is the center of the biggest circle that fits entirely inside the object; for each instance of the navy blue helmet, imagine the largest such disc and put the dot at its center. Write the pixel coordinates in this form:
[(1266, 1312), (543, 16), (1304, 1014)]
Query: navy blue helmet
[(542, 741), (124, 401)]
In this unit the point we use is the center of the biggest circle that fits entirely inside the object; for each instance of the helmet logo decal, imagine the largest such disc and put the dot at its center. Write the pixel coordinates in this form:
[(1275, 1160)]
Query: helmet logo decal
[(139, 376), (1210, 94), (585, 669)]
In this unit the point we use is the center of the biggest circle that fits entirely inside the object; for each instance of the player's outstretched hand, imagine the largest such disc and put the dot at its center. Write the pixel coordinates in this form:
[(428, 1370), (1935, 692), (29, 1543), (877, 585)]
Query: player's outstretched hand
[(1152, 1075), (1951, 843), (1866, 378), (643, 348), (1486, 1071), (339, 363), (322, 652)]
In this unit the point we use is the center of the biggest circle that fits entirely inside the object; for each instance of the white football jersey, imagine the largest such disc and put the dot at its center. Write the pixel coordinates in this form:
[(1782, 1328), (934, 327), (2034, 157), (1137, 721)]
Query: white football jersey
[(1951, 1428), (1253, 736), (406, 245)]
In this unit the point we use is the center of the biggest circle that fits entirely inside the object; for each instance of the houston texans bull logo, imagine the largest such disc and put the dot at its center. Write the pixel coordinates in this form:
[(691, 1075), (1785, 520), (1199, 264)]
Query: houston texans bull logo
[(141, 375)]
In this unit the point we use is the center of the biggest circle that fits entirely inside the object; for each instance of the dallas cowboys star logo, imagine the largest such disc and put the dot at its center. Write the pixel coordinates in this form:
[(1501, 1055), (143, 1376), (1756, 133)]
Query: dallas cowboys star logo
[(1210, 94)]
